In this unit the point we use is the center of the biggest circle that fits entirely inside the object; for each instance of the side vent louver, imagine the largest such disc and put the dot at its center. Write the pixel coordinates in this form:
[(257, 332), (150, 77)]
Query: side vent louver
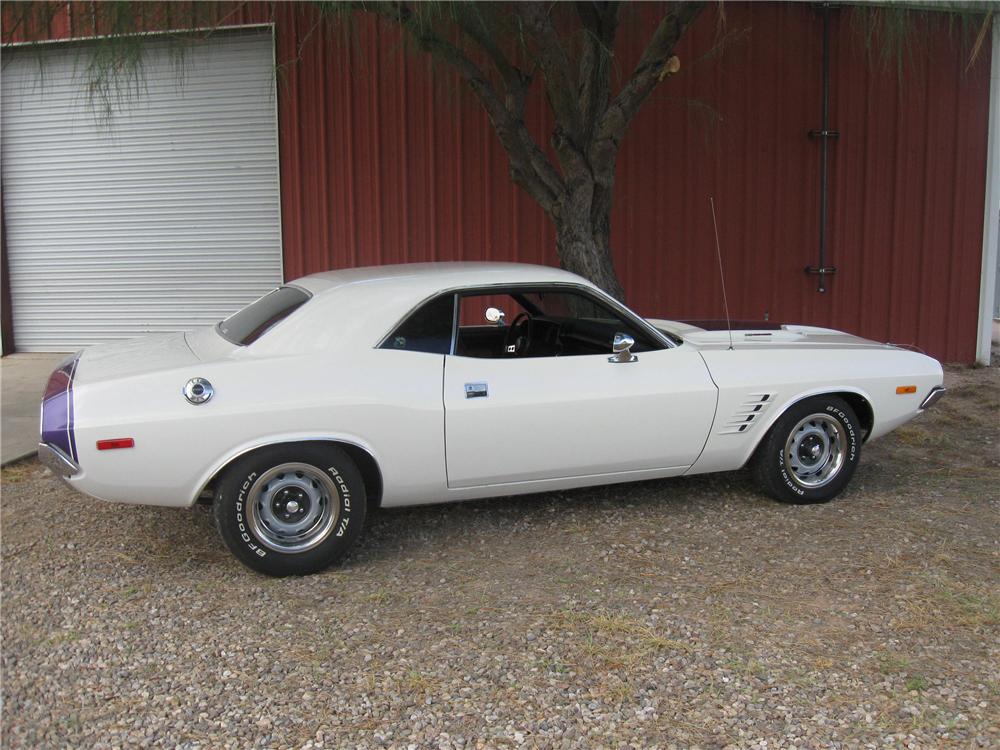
[(747, 413)]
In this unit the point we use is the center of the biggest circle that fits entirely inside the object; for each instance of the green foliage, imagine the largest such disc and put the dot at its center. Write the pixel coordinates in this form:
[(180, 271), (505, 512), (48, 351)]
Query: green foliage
[(894, 32), (113, 68)]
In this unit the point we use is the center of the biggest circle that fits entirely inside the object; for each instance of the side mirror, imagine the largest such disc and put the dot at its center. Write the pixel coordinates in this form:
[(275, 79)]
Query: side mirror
[(495, 315), (622, 348)]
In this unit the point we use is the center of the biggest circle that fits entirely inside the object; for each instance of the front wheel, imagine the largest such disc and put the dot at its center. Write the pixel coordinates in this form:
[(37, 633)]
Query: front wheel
[(291, 509), (811, 452)]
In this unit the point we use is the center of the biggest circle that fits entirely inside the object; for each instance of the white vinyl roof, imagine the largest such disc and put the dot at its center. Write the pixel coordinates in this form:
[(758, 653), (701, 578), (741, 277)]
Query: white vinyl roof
[(427, 278)]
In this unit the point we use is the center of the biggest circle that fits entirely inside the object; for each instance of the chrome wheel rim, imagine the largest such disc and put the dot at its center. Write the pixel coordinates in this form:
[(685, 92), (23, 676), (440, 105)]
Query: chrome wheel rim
[(293, 507), (814, 451)]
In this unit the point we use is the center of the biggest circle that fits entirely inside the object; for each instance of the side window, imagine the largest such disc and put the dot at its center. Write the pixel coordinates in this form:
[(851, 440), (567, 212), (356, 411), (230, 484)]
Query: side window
[(541, 322), (427, 329)]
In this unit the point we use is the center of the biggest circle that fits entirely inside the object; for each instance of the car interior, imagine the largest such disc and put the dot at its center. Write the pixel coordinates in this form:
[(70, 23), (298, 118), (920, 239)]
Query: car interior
[(518, 323)]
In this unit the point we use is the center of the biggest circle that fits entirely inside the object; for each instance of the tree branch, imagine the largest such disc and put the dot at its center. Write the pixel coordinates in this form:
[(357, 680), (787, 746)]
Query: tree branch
[(600, 24), (516, 81), (529, 166), (560, 88), (647, 74)]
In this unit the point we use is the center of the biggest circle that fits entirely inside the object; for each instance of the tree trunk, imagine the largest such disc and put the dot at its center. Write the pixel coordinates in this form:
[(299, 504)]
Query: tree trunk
[(583, 237)]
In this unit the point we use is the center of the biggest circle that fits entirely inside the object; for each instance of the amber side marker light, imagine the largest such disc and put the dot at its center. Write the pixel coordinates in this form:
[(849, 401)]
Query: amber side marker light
[(901, 389), (110, 445)]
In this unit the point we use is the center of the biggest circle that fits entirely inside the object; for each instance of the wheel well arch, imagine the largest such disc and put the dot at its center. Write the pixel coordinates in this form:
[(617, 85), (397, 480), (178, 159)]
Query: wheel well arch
[(371, 474), (857, 401), (862, 408)]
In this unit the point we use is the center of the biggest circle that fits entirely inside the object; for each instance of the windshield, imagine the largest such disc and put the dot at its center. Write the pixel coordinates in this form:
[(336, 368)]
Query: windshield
[(254, 320)]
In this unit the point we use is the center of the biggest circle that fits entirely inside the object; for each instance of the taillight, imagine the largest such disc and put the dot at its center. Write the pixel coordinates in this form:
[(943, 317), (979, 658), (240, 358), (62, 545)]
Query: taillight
[(57, 409), (60, 380)]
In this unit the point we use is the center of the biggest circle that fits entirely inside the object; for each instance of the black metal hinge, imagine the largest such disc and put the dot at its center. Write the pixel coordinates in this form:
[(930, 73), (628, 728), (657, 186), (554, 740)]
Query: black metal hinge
[(822, 270)]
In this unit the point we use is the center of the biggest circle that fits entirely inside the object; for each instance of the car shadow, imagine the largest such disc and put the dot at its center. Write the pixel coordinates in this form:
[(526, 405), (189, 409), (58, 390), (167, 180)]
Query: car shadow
[(391, 533), (395, 535)]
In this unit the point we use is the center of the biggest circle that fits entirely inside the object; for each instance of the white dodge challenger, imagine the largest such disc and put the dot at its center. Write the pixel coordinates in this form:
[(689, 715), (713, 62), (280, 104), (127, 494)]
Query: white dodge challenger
[(428, 383)]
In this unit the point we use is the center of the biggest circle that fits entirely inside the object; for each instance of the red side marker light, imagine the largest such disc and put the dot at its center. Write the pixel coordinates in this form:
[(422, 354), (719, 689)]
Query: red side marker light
[(110, 445)]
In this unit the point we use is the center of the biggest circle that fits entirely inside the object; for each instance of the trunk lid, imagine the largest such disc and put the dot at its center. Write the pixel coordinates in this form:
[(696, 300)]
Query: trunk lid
[(122, 359)]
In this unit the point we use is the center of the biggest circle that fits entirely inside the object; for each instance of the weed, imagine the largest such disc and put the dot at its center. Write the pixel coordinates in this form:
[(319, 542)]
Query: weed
[(380, 597), (16, 473), (889, 663), (913, 436), (64, 636)]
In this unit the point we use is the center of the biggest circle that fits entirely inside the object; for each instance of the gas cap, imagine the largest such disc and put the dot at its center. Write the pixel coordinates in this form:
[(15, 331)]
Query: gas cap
[(198, 390)]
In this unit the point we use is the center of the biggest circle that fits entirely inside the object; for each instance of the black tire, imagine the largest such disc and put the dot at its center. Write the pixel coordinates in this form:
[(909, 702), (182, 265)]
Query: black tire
[(810, 454), (291, 509)]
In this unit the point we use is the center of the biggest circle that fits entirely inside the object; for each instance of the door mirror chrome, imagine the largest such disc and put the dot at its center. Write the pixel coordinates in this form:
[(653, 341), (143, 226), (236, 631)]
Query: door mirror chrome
[(496, 315), (622, 348)]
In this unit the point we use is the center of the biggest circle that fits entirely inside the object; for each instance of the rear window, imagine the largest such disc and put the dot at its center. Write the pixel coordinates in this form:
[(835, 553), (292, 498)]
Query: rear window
[(254, 320)]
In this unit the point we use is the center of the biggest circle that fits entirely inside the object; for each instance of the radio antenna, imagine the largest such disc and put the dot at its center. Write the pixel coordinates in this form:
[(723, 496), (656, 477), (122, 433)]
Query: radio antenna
[(722, 274)]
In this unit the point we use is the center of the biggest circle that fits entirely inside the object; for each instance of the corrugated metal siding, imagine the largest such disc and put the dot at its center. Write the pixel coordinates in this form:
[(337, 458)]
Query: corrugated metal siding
[(386, 158), (165, 219), (906, 182)]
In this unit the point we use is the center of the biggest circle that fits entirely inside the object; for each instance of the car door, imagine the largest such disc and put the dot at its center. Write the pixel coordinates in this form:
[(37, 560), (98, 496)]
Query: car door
[(524, 418)]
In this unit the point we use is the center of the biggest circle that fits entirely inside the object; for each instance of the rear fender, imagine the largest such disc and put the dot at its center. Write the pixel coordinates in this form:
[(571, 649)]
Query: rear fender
[(208, 477)]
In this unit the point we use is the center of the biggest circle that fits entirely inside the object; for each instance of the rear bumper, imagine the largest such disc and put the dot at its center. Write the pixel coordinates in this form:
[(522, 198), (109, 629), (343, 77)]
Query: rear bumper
[(58, 462), (933, 397)]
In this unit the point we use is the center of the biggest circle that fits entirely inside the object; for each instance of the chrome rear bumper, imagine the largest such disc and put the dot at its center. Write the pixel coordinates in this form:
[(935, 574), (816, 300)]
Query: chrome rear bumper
[(60, 464), (934, 396)]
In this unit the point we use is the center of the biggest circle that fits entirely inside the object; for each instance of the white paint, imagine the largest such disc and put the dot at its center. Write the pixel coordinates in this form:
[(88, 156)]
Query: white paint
[(550, 417), (991, 217), (162, 219), (548, 423)]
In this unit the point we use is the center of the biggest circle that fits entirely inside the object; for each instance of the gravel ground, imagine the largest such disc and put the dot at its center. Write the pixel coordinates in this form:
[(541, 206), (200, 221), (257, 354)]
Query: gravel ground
[(681, 613)]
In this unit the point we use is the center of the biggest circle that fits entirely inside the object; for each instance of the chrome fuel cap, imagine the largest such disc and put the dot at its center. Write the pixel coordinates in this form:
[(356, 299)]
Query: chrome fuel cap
[(198, 390)]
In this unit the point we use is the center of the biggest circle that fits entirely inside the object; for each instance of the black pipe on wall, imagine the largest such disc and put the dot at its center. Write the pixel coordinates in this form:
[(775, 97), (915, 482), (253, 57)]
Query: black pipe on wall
[(824, 134)]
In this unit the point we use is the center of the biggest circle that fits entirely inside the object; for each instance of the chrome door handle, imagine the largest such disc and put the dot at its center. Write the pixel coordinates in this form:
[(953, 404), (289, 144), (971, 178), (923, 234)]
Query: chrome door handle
[(476, 390)]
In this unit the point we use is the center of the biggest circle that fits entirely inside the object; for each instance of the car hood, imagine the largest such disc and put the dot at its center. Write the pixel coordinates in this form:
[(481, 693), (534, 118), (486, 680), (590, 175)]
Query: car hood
[(767, 336)]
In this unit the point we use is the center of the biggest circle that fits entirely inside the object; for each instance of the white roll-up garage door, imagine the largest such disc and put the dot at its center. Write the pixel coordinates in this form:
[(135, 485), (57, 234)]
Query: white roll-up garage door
[(163, 217)]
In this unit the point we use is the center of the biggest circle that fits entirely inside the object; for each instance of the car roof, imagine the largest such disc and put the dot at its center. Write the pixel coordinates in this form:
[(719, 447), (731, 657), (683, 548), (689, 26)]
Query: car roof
[(426, 278), (357, 307)]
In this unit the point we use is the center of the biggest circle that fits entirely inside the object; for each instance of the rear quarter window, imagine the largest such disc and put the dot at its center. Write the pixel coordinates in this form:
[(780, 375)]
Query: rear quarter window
[(257, 318), (428, 329)]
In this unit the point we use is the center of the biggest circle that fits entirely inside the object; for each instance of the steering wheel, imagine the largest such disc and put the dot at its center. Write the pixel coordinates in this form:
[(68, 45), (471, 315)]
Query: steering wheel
[(518, 339)]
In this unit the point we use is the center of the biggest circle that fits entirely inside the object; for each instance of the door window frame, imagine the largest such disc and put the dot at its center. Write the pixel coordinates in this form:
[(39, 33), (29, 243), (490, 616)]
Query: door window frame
[(595, 295)]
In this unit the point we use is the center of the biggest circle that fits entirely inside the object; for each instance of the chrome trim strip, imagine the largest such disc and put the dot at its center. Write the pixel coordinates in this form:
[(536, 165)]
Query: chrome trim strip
[(58, 462), (933, 397), (453, 347)]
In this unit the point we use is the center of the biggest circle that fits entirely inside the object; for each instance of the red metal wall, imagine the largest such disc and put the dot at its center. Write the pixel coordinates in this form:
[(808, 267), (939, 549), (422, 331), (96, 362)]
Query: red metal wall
[(385, 158)]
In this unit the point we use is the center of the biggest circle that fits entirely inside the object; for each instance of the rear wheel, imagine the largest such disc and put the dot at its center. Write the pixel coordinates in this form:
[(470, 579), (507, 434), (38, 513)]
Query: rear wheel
[(811, 452), (291, 509)]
